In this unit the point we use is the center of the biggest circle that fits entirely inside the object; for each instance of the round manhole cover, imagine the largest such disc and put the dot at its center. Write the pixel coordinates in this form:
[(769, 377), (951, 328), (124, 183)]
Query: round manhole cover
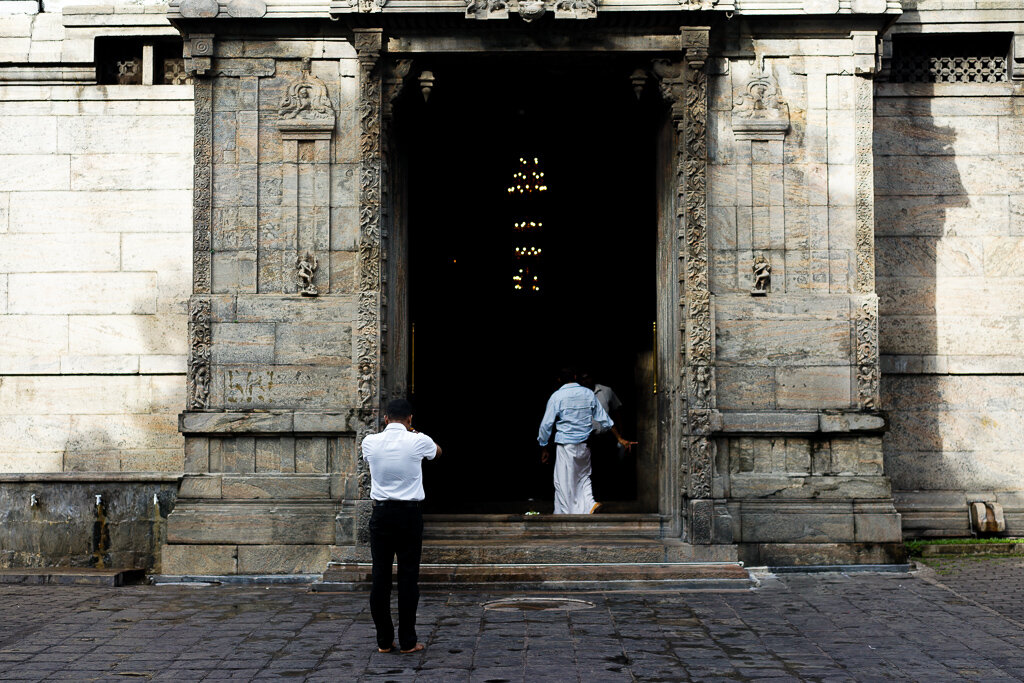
[(537, 604)]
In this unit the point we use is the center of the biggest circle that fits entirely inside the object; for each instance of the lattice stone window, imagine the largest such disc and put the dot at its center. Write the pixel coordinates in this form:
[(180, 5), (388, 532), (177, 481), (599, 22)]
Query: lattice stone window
[(950, 58), (140, 61)]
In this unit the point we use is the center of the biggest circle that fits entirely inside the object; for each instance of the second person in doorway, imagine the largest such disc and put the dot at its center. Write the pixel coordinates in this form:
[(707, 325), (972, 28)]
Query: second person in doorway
[(571, 412)]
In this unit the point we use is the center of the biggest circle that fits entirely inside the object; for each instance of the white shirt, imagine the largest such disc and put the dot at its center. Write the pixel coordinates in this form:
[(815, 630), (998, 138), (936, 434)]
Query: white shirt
[(394, 457)]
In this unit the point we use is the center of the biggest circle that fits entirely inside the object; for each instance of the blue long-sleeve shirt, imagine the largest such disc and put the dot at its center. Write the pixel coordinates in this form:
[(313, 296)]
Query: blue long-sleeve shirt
[(573, 409)]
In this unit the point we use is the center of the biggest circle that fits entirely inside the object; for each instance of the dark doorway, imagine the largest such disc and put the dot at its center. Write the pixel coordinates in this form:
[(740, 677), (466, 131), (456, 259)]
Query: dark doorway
[(531, 234)]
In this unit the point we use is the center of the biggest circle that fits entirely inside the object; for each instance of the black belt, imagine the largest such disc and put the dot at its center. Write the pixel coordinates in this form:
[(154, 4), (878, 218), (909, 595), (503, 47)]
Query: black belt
[(396, 503)]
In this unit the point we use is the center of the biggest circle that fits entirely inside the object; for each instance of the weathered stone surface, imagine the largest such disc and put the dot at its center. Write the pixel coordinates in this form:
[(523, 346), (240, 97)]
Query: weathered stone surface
[(283, 559), (208, 560), (815, 387), (775, 421), (233, 454), (850, 422), (316, 344), (208, 486), (236, 343), (784, 486), (743, 388), (785, 343), (279, 523), (276, 486), (239, 423), (82, 293), (311, 454)]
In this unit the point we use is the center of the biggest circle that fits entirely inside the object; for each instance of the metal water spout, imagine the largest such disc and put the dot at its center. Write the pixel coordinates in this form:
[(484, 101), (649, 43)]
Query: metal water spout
[(99, 499), (33, 501)]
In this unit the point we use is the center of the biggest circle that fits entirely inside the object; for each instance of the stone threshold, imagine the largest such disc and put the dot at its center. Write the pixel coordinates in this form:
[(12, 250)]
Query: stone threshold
[(89, 477)]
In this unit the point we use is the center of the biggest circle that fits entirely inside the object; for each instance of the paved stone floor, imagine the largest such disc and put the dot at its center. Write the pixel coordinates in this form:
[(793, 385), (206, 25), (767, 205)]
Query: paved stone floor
[(954, 621)]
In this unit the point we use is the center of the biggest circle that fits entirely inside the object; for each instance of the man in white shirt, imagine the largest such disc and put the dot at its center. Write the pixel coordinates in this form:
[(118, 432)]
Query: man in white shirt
[(395, 457)]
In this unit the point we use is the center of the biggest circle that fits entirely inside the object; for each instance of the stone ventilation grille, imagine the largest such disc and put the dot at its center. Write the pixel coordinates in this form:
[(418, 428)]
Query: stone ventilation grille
[(949, 59)]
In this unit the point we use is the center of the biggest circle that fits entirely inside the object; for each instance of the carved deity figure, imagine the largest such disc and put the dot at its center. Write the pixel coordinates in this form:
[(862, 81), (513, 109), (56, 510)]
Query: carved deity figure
[(307, 266), (530, 10), (306, 98), (760, 101), (762, 276)]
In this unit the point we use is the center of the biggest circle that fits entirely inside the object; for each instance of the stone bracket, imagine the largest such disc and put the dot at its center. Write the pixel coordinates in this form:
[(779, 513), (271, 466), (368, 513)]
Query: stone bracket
[(1017, 57)]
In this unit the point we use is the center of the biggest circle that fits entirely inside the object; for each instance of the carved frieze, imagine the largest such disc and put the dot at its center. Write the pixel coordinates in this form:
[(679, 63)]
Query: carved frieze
[(197, 380), (202, 186), (531, 10), (864, 189), (867, 369), (368, 44), (306, 110), (684, 86), (759, 113)]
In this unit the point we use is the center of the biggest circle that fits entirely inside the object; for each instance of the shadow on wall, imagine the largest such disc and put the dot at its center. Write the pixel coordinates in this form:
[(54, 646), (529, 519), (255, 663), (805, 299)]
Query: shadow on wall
[(918, 189)]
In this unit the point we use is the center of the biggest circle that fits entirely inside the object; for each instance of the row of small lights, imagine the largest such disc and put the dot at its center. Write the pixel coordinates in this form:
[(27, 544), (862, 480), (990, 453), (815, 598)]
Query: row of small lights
[(527, 185), (528, 251)]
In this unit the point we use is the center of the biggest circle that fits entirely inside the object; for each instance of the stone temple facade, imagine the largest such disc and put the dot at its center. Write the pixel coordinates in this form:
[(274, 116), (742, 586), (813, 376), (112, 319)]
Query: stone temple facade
[(209, 218)]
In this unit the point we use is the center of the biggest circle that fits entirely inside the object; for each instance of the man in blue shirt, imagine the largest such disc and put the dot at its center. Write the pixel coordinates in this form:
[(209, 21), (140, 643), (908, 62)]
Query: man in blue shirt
[(572, 412)]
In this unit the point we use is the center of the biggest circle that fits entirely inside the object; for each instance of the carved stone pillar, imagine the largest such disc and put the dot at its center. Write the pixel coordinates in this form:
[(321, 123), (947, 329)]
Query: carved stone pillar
[(198, 51), (684, 86), (368, 44)]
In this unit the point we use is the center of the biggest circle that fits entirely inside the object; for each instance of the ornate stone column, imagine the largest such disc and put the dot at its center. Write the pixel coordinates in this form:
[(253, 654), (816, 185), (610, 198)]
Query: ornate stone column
[(368, 43), (684, 85)]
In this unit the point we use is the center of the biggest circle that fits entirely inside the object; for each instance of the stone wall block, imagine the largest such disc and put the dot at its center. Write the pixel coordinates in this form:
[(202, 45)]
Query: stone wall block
[(208, 486), (813, 387), (313, 343), (745, 388), (156, 135), (311, 455), (110, 211), (275, 454), (197, 454), (784, 343), (343, 272), (198, 560), (276, 486), (877, 528), (82, 293), (140, 171), (234, 271), (243, 343), (237, 454), (805, 527), (283, 559)]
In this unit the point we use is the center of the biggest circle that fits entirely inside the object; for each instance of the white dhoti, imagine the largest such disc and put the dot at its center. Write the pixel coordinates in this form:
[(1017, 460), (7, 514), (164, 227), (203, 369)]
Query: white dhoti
[(573, 495)]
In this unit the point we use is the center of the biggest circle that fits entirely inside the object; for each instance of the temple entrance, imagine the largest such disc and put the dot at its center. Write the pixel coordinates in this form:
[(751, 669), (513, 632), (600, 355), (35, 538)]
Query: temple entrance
[(530, 226)]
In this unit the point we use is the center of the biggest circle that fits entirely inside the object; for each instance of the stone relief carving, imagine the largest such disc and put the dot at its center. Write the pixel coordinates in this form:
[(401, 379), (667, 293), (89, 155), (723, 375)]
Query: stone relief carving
[(368, 43), (370, 5), (486, 9), (685, 88), (864, 189), (759, 111), (866, 330), (202, 192), (306, 104), (200, 338), (576, 9), (762, 276), (198, 52), (306, 268), (531, 10)]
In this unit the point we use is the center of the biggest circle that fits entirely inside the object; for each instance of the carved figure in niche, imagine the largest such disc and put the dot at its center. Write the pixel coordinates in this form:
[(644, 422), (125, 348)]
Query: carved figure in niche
[(306, 98), (762, 276), (307, 266), (761, 101)]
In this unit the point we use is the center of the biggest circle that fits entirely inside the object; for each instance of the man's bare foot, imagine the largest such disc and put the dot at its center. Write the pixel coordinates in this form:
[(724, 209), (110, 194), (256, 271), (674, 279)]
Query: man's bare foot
[(385, 650), (418, 647), (597, 506)]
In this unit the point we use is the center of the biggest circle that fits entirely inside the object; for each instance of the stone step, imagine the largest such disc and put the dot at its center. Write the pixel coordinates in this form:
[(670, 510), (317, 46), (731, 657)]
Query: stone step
[(616, 526), (553, 577), (71, 576)]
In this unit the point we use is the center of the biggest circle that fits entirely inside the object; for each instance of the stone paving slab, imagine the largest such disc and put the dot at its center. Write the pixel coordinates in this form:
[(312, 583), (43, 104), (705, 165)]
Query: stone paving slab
[(956, 623)]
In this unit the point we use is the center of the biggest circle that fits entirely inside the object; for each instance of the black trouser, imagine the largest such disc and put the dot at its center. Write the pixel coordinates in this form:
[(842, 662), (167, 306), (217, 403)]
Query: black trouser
[(395, 530)]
